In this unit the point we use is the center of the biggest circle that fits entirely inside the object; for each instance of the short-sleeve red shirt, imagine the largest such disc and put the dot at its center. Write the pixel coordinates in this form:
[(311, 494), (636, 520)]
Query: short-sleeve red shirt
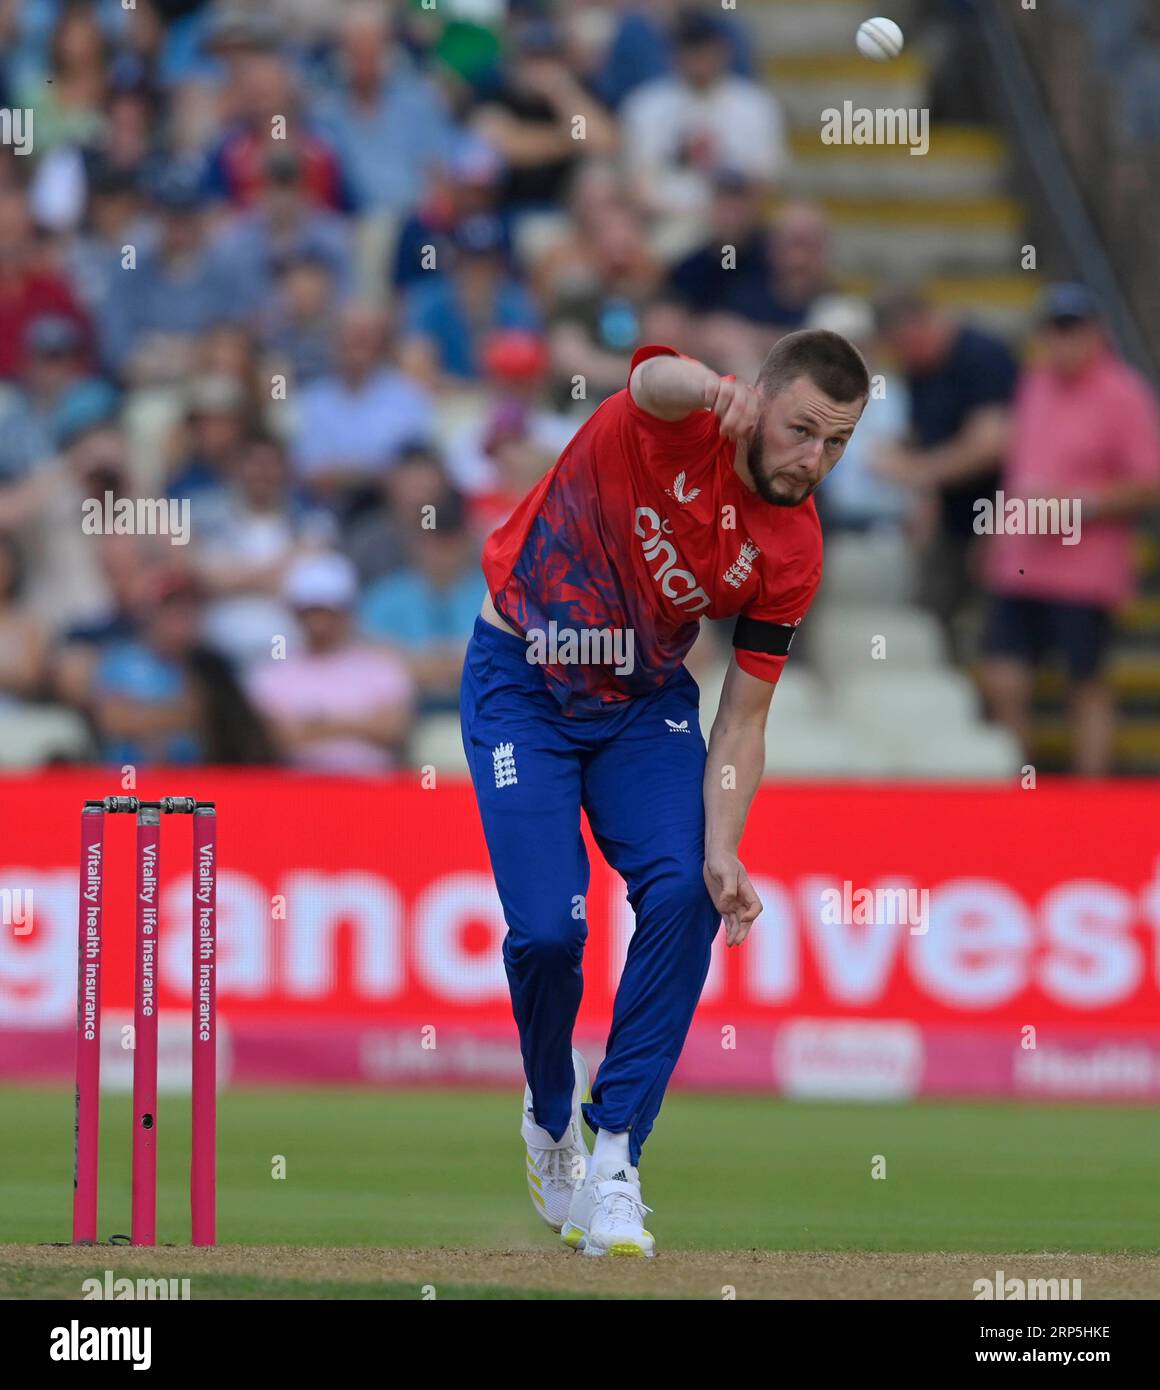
[(643, 525)]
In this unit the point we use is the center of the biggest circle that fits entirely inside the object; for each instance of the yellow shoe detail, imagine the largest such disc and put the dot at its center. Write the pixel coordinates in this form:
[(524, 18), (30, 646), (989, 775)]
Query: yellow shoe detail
[(573, 1239), (625, 1247)]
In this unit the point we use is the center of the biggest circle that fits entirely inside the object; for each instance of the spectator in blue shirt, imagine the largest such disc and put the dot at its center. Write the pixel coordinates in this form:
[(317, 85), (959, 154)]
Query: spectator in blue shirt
[(351, 423), (54, 386), (282, 224), (143, 703), (468, 185), (428, 609), (388, 122), (447, 318), (155, 311)]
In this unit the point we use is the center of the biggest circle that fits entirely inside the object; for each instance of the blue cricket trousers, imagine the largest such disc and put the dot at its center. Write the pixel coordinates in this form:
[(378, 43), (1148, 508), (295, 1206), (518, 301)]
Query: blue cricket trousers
[(639, 780)]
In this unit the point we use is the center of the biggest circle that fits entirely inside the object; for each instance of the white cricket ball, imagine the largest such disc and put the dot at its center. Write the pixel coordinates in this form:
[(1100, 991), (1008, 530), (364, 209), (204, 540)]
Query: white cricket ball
[(879, 39)]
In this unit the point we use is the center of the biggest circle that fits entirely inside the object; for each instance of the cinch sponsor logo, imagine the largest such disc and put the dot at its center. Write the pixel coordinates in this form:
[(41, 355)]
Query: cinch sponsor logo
[(678, 584)]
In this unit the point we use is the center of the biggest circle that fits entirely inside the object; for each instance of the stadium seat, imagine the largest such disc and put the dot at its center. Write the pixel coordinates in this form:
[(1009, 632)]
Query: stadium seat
[(874, 568), (798, 695), (888, 699), (812, 747), (843, 640), (981, 753), (34, 735), (437, 742)]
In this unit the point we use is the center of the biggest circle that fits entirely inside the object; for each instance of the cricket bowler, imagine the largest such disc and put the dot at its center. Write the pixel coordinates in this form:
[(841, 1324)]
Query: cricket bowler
[(685, 495)]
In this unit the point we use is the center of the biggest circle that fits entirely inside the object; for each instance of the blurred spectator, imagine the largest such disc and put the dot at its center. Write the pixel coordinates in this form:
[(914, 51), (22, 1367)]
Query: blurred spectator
[(300, 318), (254, 528), (710, 281), (777, 278), (214, 427), (113, 221), (496, 459), (596, 316), (125, 572), (131, 139), (349, 424), (23, 641), (446, 317), (467, 186), (229, 351), (68, 100), (680, 130), (376, 542), (143, 703), (961, 381), (639, 50), (265, 92), (388, 122), (29, 285), (597, 188), (340, 705), (281, 224), (800, 254), (531, 120), (178, 289), (853, 497), (55, 383), (1086, 430), (429, 608)]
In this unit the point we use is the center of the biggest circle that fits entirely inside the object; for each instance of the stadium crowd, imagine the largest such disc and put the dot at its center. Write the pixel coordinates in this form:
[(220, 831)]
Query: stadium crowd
[(342, 279)]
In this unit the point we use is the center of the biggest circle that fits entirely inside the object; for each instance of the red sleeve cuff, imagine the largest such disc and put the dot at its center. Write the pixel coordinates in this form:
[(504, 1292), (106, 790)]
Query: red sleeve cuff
[(760, 664)]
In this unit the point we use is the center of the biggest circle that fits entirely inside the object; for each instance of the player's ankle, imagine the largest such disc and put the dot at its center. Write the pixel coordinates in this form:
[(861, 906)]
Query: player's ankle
[(611, 1147)]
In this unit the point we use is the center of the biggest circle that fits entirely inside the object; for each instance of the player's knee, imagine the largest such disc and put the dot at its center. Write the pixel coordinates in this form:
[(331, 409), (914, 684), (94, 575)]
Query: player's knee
[(682, 898), (549, 949)]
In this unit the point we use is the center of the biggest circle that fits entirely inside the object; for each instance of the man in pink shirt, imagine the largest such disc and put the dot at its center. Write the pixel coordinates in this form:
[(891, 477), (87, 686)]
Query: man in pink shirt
[(1085, 445), (339, 704)]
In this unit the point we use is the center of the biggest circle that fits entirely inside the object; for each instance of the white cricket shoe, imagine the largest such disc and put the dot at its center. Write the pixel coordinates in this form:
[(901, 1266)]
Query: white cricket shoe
[(556, 1169), (607, 1215)]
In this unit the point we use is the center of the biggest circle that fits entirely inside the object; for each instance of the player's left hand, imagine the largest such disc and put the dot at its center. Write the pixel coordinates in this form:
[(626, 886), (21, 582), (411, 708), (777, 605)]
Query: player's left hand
[(733, 896)]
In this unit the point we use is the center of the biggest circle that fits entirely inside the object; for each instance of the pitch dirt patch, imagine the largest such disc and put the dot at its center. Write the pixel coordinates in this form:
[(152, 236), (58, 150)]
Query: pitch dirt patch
[(38, 1271)]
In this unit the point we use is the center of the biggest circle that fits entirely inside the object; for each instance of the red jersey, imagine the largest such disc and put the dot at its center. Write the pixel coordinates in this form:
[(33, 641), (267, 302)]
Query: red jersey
[(643, 526)]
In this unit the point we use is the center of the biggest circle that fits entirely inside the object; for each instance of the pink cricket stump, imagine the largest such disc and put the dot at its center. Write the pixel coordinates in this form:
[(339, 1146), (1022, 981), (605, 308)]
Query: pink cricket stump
[(144, 1213), (202, 1165), (88, 1088)]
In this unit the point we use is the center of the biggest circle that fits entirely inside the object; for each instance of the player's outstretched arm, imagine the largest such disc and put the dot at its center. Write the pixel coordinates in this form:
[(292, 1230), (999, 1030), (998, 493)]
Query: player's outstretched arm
[(672, 387), (733, 771)]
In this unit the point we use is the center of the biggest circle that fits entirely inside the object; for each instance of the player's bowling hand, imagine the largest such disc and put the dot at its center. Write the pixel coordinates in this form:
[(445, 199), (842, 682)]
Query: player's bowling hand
[(736, 405), (733, 896)]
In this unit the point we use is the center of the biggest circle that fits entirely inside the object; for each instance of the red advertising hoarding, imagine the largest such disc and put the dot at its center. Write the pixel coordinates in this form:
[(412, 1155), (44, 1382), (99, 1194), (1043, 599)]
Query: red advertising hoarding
[(915, 939)]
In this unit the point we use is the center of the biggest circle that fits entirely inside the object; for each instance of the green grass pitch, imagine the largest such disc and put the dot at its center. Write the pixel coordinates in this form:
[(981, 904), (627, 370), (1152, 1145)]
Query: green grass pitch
[(443, 1170)]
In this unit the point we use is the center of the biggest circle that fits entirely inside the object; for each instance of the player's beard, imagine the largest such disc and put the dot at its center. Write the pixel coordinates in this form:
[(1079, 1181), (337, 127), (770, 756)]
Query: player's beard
[(754, 458)]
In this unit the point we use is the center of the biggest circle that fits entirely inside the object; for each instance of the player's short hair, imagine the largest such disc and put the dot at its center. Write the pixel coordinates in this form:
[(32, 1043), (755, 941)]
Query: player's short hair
[(831, 362)]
